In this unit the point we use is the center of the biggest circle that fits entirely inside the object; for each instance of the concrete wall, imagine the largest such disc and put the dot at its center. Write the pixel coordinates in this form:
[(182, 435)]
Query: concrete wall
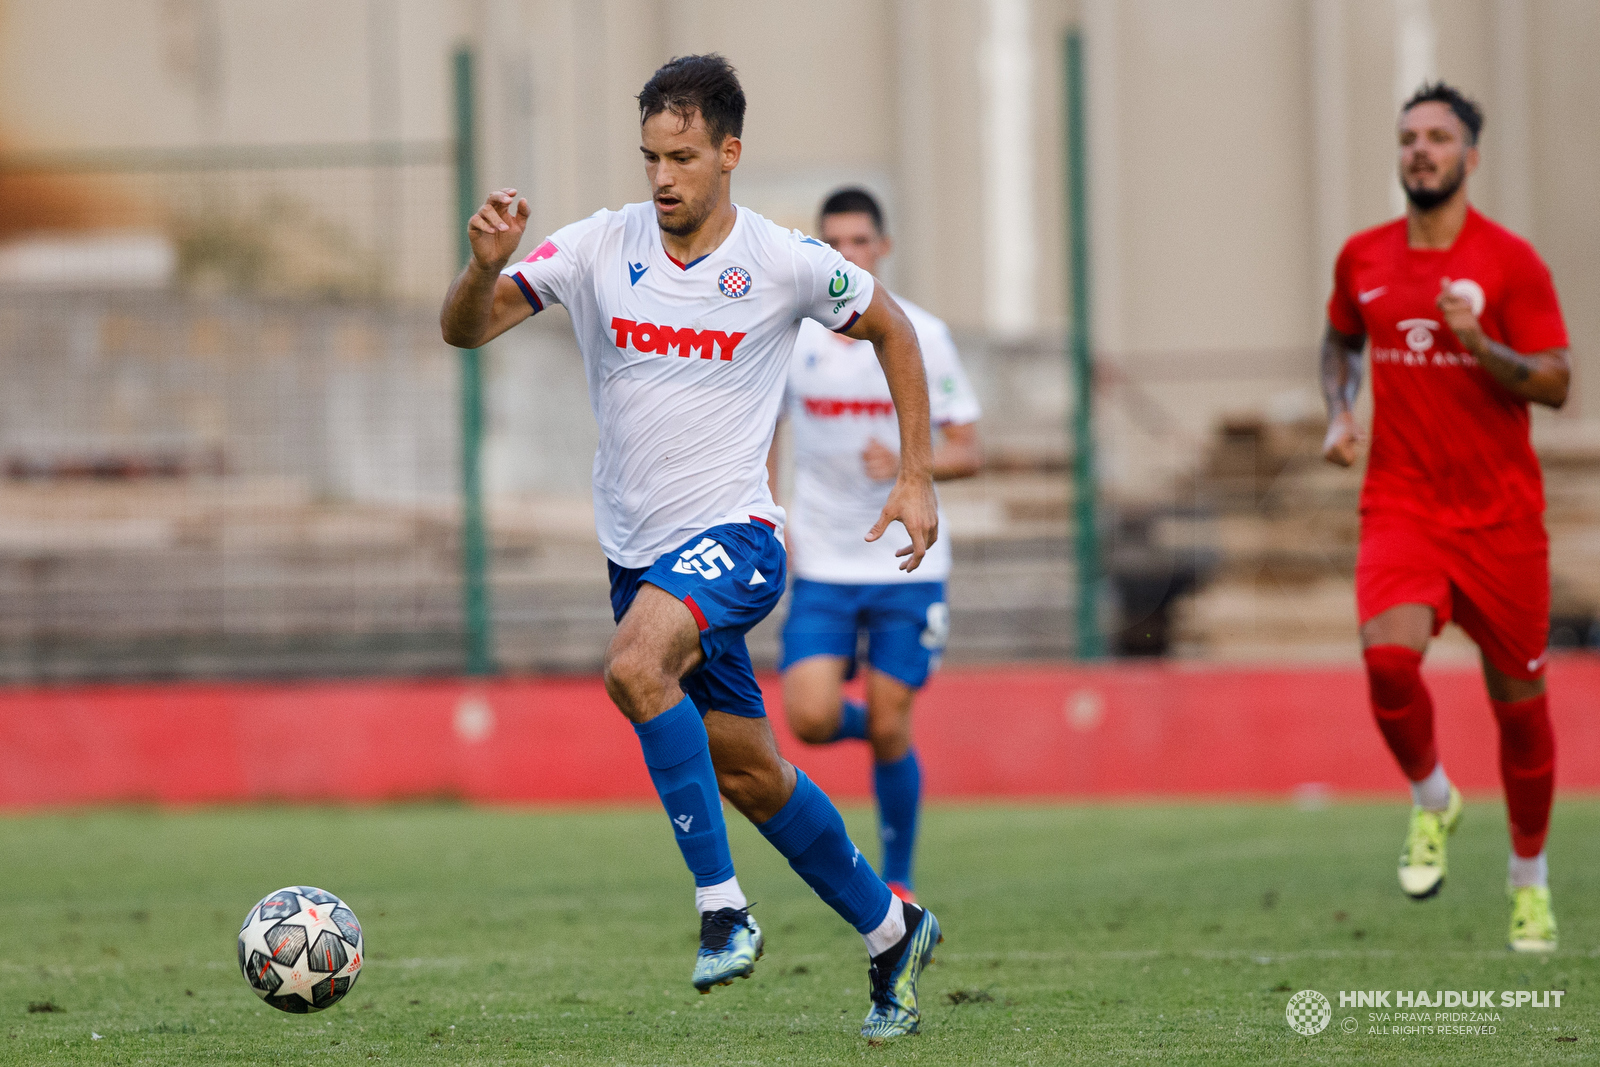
[(343, 403)]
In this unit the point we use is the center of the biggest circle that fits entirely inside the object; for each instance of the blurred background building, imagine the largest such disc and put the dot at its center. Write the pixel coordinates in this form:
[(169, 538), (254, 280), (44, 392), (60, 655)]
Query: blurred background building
[(229, 436)]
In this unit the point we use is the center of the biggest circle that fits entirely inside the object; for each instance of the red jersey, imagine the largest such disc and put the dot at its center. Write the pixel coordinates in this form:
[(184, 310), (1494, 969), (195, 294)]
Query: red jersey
[(1448, 441)]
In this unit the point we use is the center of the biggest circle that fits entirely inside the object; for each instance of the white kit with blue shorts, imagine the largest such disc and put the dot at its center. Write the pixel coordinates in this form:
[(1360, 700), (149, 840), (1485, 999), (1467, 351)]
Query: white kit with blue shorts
[(838, 400)]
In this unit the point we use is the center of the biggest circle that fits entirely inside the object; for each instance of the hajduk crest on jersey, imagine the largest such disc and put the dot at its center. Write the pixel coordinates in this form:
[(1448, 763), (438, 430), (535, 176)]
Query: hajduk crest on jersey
[(734, 282)]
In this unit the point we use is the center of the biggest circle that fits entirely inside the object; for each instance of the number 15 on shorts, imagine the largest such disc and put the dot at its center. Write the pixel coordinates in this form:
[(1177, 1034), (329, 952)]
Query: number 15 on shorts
[(704, 559)]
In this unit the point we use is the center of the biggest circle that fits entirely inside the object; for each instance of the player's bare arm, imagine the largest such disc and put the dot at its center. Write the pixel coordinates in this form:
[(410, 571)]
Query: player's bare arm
[(912, 499), (959, 454), (1341, 383), (1542, 377), (482, 304)]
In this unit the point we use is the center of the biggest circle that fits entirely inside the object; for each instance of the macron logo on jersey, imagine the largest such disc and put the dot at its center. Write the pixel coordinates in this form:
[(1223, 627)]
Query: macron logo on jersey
[(827, 408), (648, 337)]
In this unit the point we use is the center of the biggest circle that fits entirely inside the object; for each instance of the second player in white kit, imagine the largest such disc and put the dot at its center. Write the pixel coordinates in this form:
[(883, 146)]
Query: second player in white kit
[(838, 404), (846, 455)]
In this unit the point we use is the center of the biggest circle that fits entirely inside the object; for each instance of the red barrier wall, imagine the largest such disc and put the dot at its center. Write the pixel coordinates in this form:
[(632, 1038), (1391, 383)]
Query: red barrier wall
[(1023, 731)]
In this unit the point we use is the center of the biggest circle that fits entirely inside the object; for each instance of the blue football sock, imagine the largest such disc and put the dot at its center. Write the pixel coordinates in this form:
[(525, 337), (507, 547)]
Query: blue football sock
[(899, 789), (852, 721), (678, 754), (811, 836)]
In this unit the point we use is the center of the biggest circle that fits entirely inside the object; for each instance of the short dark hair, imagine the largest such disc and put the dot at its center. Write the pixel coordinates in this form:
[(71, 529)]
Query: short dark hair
[(853, 200), (687, 84), (1466, 109)]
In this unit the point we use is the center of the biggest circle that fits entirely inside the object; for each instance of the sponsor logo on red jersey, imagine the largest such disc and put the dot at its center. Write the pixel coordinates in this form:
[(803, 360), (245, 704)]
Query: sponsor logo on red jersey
[(649, 337), (1421, 335), (1404, 357)]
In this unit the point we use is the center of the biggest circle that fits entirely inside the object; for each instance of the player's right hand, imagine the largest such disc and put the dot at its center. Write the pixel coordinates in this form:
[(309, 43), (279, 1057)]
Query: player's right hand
[(497, 228), (913, 502), (1343, 440)]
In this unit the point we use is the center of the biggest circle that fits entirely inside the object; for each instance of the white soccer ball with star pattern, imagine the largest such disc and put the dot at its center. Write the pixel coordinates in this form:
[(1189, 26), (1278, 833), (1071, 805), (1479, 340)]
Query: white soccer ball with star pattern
[(300, 949)]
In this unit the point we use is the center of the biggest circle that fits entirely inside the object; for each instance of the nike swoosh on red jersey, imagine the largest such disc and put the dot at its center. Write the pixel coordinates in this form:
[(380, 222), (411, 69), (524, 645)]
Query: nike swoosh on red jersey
[(1372, 294)]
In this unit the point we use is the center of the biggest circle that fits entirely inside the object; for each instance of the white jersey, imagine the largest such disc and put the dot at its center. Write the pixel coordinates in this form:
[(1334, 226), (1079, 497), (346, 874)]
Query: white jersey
[(838, 400), (685, 363)]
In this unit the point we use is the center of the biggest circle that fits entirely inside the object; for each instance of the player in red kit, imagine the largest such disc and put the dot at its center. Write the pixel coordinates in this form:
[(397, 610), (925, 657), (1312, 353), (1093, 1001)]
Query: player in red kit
[(1465, 331)]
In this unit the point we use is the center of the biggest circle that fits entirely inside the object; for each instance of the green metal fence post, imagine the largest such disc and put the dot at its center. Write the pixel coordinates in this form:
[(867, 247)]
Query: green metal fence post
[(474, 537), (1091, 644)]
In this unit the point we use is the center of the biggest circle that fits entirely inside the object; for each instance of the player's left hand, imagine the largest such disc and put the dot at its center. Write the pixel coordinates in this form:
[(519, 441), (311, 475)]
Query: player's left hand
[(1457, 311), (881, 462), (913, 502)]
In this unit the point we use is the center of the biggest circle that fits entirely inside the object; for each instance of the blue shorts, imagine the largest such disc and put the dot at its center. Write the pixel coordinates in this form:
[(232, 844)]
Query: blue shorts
[(906, 624), (730, 577)]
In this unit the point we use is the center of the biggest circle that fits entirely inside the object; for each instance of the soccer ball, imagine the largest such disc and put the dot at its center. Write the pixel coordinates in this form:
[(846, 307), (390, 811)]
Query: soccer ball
[(300, 949)]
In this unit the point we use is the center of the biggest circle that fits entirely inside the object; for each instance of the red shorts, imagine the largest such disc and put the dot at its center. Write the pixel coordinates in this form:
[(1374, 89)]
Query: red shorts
[(1493, 581)]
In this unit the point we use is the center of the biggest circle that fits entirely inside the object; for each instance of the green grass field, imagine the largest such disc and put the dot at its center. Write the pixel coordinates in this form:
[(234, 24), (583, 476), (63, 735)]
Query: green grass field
[(1106, 934)]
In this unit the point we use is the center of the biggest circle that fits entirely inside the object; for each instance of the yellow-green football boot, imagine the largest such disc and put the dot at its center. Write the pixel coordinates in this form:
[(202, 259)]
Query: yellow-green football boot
[(893, 977), (1422, 863), (1533, 924), (730, 945)]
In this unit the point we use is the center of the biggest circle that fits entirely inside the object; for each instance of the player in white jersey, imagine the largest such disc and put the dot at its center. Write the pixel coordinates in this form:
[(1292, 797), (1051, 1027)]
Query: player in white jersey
[(846, 456), (686, 310)]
